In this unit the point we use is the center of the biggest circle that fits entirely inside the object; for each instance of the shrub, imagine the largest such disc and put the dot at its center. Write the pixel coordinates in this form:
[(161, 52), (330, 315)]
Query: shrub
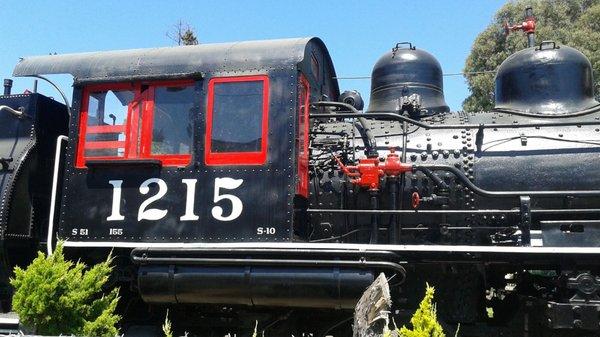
[(166, 327), (55, 296), (424, 320)]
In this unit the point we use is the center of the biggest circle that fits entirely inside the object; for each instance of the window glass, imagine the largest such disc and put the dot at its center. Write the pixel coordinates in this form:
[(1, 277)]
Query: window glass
[(106, 123), (237, 117), (173, 115)]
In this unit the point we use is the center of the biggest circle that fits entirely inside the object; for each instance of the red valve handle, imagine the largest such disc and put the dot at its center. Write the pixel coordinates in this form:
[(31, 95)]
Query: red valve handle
[(415, 200)]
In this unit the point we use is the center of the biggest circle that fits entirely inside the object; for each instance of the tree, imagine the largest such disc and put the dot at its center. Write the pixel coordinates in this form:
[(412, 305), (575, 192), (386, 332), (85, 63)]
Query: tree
[(183, 34), (58, 297), (575, 23)]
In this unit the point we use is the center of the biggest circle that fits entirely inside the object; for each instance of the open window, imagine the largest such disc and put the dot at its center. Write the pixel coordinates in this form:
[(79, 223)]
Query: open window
[(137, 121), (302, 139), (237, 120)]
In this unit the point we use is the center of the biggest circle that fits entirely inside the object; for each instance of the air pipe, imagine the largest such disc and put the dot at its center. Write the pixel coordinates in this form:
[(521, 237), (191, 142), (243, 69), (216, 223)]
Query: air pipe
[(370, 141)]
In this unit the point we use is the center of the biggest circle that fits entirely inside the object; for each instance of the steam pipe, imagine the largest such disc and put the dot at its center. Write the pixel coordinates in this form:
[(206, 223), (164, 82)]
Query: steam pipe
[(370, 141), (396, 117), (528, 27), (374, 220), (531, 32), (436, 180), (452, 211), (393, 231), (499, 194), (400, 219)]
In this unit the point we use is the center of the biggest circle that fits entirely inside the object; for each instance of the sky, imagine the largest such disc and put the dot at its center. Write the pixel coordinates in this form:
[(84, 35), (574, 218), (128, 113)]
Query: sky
[(356, 33)]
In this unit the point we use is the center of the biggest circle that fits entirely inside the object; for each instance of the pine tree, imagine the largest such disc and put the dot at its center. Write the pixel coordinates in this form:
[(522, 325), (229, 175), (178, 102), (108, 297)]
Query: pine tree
[(183, 34), (189, 38)]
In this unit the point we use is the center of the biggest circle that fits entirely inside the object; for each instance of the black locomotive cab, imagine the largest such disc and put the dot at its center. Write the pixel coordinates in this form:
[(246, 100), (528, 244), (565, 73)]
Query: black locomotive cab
[(187, 145)]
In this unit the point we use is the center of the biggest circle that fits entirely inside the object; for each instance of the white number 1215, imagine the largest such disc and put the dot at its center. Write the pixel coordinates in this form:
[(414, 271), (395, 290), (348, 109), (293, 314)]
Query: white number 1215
[(147, 213)]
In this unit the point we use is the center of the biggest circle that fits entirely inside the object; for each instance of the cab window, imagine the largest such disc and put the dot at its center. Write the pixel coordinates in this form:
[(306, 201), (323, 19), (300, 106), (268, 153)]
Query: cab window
[(237, 120), (107, 113), (137, 121)]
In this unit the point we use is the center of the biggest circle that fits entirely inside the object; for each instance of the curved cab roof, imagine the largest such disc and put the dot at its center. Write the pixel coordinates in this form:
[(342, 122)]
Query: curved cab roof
[(172, 62)]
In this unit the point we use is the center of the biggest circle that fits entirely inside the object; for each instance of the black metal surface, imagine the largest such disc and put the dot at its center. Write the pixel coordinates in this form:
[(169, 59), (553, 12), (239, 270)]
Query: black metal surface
[(405, 71), (353, 98), (7, 86), (27, 152), (581, 310), (313, 287), (547, 80), (486, 161), (569, 233)]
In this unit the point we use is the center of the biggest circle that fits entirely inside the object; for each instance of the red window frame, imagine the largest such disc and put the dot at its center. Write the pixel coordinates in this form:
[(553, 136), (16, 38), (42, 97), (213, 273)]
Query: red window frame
[(143, 103), (148, 123), (237, 158), (303, 124)]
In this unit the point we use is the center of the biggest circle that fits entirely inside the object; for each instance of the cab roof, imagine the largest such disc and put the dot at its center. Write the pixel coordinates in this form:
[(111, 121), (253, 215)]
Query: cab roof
[(174, 62)]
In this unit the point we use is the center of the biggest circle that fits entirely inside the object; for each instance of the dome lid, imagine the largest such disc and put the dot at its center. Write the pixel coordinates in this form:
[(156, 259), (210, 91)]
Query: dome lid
[(405, 71), (546, 80)]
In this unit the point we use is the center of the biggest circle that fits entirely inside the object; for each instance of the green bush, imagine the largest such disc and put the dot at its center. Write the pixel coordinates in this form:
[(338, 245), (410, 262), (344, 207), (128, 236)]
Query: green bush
[(166, 327), (424, 320), (55, 296)]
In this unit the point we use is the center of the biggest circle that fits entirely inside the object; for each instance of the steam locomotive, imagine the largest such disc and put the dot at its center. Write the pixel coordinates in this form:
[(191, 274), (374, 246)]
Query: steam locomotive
[(234, 183)]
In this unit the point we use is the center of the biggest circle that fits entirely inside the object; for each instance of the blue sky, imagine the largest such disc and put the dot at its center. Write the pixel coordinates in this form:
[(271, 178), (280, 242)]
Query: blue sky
[(356, 33)]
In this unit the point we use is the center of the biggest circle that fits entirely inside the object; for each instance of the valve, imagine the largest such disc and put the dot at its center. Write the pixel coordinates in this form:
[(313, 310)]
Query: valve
[(415, 200), (369, 171), (434, 199), (528, 27)]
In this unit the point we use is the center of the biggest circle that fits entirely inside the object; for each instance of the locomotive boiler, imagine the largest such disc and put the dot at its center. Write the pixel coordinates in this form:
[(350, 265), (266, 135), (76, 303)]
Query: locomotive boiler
[(236, 176)]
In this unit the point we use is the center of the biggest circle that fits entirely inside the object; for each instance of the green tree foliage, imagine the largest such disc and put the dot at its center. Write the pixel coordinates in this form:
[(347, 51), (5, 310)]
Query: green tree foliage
[(188, 38), (56, 296), (183, 34), (575, 23), (424, 320)]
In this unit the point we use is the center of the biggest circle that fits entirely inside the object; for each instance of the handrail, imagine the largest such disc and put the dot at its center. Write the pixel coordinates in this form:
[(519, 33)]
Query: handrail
[(401, 118), (17, 113), (57, 154)]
